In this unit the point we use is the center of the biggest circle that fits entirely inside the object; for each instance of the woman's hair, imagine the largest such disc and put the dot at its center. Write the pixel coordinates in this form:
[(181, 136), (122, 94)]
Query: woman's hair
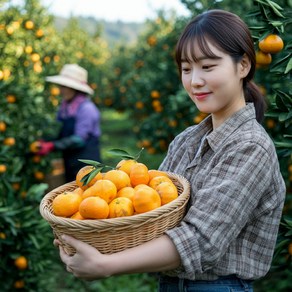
[(229, 34)]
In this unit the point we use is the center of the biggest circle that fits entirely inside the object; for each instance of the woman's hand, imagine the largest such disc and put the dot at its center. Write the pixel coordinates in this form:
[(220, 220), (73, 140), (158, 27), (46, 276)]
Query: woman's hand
[(87, 263)]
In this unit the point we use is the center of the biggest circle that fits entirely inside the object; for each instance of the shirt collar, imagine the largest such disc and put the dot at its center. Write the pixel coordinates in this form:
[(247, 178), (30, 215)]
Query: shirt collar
[(218, 136)]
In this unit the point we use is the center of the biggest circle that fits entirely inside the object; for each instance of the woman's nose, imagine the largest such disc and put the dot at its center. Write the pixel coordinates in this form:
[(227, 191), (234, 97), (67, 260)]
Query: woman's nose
[(197, 79)]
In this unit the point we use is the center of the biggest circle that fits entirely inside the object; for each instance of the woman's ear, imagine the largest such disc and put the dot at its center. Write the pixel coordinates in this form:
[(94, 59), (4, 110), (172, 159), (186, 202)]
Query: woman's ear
[(244, 66)]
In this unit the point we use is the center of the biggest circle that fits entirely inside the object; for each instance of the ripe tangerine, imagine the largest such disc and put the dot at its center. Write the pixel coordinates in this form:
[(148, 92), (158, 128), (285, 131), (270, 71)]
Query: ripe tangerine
[(94, 208), (66, 204), (271, 44)]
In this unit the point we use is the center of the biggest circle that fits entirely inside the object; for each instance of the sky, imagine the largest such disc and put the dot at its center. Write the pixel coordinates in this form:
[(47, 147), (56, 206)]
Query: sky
[(113, 10)]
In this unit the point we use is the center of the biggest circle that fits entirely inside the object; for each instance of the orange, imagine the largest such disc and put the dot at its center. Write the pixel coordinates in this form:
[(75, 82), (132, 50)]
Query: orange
[(139, 174), (121, 207), (167, 192), (263, 58), (94, 208), (78, 191), (84, 171), (21, 263), (155, 181), (126, 165), (35, 57), (66, 204), (146, 199), (11, 98), (39, 33), (271, 44), (55, 91), (77, 216), (36, 158), (103, 188), (19, 284), (118, 177), (153, 173), (2, 127), (28, 49), (10, 141), (127, 192), (140, 186), (3, 168), (39, 175), (34, 146), (155, 94), (29, 24), (15, 186)]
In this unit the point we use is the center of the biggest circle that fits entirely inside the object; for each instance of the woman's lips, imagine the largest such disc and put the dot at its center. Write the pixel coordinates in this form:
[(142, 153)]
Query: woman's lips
[(201, 95)]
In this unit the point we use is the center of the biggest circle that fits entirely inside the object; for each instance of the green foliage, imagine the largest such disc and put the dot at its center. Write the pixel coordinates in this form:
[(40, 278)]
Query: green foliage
[(270, 17)]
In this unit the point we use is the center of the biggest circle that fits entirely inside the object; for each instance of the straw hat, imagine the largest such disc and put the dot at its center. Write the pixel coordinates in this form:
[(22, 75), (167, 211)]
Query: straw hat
[(72, 76)]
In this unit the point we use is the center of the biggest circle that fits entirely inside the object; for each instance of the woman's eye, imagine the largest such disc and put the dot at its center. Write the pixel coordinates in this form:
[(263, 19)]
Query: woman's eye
[(207, 67), (185, 70)]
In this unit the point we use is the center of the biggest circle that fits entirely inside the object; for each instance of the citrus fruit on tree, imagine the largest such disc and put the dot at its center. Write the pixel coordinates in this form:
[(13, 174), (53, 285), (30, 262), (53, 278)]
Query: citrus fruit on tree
[(9, 141), (167, 192), (263, 58), (121, 207), (118, 177), (3, 168), (139, 174), (19, 284), (66, 204), (94, 208), (35, 146), (39, 175), (2, 126), (146, 199), (21, 263), (271, 44)]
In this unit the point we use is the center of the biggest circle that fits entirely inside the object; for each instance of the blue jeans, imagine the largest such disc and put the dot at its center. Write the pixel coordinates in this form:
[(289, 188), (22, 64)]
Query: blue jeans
[(223, 284)]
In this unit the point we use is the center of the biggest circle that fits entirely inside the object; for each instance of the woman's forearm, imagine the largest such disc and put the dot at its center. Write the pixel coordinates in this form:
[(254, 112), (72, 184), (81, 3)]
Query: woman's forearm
[(156, 255)]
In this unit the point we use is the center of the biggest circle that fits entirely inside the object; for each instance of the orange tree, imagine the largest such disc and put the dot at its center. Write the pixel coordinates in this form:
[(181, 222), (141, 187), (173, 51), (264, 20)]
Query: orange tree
[(23, 33), (271, 23), (30, 50)]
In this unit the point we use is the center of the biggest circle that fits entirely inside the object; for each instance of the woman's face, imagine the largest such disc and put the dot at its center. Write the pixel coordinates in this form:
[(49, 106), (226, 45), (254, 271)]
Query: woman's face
[(67, 93), (215, 84)]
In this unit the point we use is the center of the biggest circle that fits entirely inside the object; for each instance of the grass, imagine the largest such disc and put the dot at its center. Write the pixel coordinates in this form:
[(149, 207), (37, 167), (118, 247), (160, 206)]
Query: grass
[(117, 133)]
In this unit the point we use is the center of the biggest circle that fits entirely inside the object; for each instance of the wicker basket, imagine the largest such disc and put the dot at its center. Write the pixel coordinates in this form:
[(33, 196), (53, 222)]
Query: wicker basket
[(116, 234)]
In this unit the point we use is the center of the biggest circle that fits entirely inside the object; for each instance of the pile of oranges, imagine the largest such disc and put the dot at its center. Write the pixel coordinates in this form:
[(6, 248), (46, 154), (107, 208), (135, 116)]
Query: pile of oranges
[(128, 189)]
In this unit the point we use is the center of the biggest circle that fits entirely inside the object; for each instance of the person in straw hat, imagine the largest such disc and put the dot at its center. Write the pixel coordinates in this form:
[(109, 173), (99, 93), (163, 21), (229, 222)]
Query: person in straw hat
[(80, 121)]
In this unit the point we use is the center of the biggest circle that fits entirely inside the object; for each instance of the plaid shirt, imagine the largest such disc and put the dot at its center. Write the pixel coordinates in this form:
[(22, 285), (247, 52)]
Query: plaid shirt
[(237, 196)]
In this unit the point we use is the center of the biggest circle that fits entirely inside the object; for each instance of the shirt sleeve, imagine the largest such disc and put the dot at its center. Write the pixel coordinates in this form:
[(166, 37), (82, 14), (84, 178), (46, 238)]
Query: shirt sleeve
[(87, 120), (222, 206)]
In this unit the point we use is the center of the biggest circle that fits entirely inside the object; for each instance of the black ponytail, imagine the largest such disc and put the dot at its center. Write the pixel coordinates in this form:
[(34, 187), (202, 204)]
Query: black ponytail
[(253, 94)]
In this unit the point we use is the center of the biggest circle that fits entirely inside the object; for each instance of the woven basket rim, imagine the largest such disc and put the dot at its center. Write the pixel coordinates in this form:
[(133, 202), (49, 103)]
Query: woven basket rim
[(129, 221)]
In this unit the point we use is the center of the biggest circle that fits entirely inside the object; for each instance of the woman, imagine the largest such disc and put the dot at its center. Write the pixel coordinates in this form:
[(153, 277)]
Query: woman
[(79, 118), (227, 238)]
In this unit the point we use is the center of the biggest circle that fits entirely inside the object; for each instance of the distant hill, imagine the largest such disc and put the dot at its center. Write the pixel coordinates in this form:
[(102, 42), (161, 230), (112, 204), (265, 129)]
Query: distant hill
[(112, 32)]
